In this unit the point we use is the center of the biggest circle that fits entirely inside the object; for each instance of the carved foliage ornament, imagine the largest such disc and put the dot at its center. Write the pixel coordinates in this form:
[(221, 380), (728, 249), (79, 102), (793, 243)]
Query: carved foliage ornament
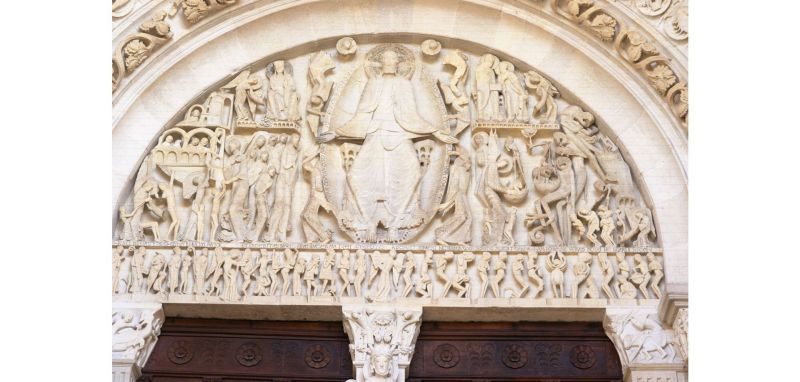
[(381, 340), (631, 44), (154, 33), (134, 332)]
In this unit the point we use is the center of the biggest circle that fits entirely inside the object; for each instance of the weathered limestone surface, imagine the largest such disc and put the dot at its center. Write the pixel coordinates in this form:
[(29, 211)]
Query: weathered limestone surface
[(512, 161)]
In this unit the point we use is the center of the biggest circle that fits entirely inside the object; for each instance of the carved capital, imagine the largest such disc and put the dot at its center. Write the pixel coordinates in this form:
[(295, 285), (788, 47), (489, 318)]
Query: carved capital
[(382, 340), (134, 331), (642, 342)]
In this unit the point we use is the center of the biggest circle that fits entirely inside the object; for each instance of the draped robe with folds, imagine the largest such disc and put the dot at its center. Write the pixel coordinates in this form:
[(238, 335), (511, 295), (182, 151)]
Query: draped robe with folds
[(386, 168)]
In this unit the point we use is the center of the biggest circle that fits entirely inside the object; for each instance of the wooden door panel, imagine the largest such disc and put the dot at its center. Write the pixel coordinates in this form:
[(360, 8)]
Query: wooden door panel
[(524, 351), (228, 350)]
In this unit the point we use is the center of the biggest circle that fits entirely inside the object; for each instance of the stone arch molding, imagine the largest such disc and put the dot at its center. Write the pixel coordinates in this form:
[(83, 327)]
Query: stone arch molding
[(211, 63)]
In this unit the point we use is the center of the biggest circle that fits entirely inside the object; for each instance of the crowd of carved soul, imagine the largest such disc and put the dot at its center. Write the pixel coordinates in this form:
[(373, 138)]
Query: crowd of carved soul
[(394, 146), (381, 276)]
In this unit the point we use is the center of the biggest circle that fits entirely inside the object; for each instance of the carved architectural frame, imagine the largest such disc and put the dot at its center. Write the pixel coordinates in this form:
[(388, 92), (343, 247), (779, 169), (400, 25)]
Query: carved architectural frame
[(143, 103)]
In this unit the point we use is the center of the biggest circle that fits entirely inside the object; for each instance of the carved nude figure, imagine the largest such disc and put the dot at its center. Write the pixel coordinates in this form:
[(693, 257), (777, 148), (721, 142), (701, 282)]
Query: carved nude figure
[(606, 224), (200, 272), (156, 273), (518, 272), (277, 266), (300, 267), (312, 227), (544, 91), (641, 225), (486, 89), (425, 284), (300, 270), (248, 267), (310, 276), (641, 274), (282, 98), (263, 280), (483, 272), (138, 271), (499, 273), (397, 266), (174, 267), (461, 280), (457, 227), (186, 263), (215, 272), (361, 271), (289, 262), (658, 273), (556, 264), (326, 274), (592, 225), (441, 268), (143, 197), (343, 266), (116, 262), (168, 194), (625, 289), (534, 273), (608, 273), (408, 270), (515, 98), (583, 274)]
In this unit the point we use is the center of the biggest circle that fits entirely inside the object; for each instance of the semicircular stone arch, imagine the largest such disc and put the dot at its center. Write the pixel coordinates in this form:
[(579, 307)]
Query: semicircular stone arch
[(399, 147)]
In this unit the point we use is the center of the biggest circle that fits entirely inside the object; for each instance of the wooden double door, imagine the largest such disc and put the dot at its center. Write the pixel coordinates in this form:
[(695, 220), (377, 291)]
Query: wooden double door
[(195, 350)]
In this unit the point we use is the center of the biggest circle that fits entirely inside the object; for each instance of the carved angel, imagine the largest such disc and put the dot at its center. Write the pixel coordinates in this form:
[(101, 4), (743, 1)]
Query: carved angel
[(249, 93), (454, 93), (545, 93), (319, 65), (457, 227), (312, 227)]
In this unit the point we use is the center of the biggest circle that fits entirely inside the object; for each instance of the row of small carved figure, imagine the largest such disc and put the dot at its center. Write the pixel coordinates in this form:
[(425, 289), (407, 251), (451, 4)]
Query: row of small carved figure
[(389, 268)]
